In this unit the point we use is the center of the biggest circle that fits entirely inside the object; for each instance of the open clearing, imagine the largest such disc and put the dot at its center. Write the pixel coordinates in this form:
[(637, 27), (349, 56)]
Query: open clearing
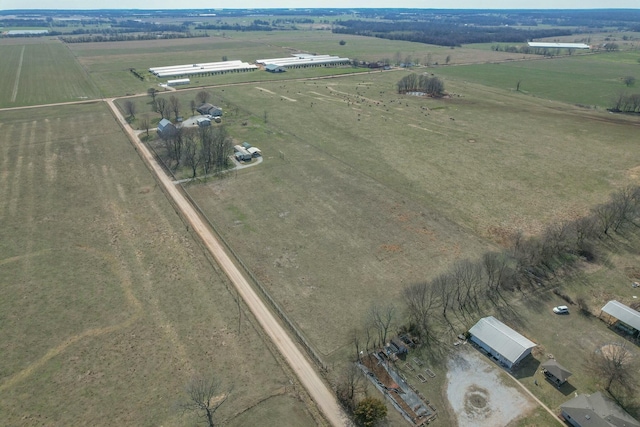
[(479, 394), (105, 294)]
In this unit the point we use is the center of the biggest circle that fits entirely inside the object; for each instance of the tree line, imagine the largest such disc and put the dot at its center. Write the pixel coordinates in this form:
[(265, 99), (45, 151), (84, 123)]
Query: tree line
[(455, 298), (120, 37), (626, 103), (443, 34), (432, 86)]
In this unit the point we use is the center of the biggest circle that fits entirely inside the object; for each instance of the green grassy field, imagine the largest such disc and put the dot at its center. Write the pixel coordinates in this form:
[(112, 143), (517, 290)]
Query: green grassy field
[(592, 80), (41, 73), (109, 306)]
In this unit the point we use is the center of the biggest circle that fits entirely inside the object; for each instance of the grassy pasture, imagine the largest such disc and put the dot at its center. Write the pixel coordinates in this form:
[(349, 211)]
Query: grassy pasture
[(109, 306), (389, 190), (583, 79), (41, 73)]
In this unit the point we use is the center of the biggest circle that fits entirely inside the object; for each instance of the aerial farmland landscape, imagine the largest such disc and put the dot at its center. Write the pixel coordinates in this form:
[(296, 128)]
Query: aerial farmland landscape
[(314, 217)]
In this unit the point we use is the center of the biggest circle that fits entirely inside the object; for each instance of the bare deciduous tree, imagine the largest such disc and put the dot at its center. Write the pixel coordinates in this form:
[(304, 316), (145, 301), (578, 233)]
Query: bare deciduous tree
[(193, 106), (174, 104), (162, 106), (421, 300), (145, 123), (203, 397), (349, 385), (191, 152), (614, 365), (152, 92), (381, 318), (203, 97), (130, 108)]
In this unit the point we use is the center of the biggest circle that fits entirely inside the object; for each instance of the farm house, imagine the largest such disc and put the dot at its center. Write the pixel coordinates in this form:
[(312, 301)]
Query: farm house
[(166, 128), (210, 109), (596, 410), (500, 341)]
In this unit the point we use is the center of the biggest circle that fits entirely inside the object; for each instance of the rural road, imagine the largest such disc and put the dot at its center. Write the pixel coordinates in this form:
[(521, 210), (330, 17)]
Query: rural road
[(310, 379)]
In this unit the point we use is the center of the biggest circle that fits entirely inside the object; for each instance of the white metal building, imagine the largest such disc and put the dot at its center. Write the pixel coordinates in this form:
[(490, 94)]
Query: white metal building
[(204, 69), (300, 60), (559, 45), (500, 341), (178, 82)]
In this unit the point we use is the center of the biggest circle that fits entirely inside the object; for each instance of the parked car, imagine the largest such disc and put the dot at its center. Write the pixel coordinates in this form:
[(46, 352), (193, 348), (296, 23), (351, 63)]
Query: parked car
[(561, 309)]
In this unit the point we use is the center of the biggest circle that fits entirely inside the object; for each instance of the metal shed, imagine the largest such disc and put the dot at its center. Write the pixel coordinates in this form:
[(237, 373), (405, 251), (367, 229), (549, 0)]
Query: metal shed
[(500, 341)]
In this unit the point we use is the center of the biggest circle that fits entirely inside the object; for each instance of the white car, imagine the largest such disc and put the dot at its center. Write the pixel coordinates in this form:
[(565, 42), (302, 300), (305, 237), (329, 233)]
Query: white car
[(561, 309)]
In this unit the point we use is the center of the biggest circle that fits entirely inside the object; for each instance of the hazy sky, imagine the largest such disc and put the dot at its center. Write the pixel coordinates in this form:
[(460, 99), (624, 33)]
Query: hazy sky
[(241, 4)]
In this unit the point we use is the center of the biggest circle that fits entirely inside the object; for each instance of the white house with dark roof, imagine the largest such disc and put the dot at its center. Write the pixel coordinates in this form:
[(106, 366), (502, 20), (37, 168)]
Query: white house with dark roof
[(500, 341), (596, 410), (623, 317)]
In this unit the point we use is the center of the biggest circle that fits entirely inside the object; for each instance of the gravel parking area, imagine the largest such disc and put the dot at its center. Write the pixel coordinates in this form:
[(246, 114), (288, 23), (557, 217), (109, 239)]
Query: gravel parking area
[(478, 394)]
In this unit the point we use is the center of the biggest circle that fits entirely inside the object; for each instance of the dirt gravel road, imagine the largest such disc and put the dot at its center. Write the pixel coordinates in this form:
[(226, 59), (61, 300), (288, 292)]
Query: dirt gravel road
[(310, 379)]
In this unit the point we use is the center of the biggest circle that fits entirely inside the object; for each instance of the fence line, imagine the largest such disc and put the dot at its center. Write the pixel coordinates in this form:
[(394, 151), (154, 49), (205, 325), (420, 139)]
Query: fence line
[(313, 354)]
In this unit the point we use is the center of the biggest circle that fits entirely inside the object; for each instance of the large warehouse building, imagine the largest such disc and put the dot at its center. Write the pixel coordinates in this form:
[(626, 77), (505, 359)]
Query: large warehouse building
[(300, 60), (204, 69)]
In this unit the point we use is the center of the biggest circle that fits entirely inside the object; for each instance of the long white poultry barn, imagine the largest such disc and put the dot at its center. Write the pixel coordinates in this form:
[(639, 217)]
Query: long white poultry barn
[(203, 69), (304, 60)]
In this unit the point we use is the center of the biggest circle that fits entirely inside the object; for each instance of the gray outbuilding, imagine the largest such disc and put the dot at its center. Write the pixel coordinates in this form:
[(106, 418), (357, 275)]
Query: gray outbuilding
[(500, 342), (622, 317)]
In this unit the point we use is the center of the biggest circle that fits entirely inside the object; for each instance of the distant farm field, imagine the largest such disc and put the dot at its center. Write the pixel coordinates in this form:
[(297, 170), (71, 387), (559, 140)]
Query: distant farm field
[(109, 63), (591, 80), (109, 306), (41, 73)]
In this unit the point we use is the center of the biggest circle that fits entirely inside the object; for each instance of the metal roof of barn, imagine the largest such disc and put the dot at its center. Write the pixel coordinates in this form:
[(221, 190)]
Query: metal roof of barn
[(559, 45), (501, 338), (623, 313)]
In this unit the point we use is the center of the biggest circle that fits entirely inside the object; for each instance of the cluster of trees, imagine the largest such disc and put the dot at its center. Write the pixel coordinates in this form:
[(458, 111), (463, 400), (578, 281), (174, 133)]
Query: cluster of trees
[(626, 103), (442, 34), (367, 411), (235, 27), (202, 148), (430, 85), (454, 298), (122, 37)]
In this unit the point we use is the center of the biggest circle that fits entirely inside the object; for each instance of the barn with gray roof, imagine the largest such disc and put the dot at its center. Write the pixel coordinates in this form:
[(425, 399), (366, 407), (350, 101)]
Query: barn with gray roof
[(501, 342), (622, 317)]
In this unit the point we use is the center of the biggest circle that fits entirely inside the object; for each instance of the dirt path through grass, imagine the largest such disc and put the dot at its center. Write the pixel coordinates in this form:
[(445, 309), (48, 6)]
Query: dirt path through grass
[(17, 82), (303, 368)]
